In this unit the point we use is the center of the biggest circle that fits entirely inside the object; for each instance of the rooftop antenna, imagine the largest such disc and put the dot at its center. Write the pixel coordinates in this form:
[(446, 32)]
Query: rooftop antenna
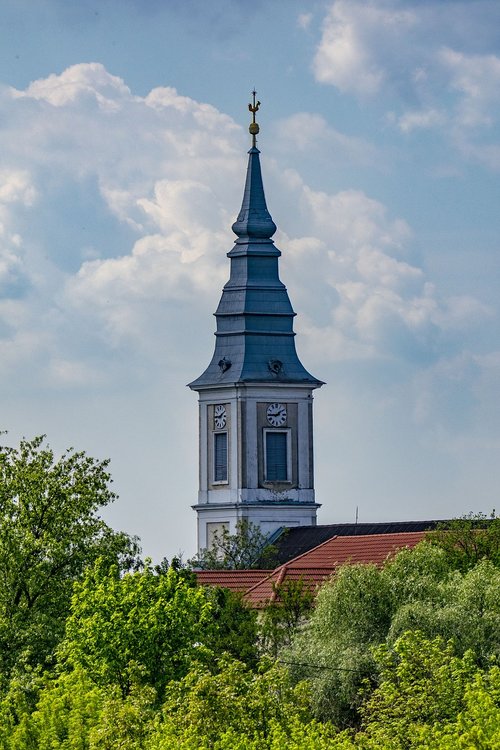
[(253, 128), (356, 520)]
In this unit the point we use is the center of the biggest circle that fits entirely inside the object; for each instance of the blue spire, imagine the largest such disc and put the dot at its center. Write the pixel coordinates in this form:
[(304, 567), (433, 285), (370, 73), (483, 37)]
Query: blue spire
[(254, 220), (254, 337)]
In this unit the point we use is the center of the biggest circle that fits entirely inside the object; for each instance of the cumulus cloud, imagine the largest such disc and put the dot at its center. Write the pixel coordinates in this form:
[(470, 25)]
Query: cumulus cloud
[(418, 55), (16, 186), (146, 165), (75, 83), (309, 132), (114, 165), (477, 80), (115, 227), (370, 301), (355, 36), (16, 190)]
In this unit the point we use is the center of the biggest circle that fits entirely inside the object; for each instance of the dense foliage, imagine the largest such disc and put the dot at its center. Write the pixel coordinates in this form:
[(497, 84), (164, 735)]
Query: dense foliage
[(365, 606), (470, 539), (50, 532), (101, 651)]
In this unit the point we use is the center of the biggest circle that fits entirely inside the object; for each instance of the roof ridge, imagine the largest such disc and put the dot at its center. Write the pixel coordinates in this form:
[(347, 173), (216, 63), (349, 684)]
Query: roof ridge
[(259, 583), (279, 581), (318, 546), (369, 536)]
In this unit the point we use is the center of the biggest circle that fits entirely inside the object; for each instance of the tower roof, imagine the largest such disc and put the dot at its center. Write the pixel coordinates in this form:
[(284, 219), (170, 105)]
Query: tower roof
[(254, 220), (254, 337)]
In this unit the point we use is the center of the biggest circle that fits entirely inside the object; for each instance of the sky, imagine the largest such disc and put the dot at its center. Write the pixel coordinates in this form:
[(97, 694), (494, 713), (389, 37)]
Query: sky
[(124, 132)]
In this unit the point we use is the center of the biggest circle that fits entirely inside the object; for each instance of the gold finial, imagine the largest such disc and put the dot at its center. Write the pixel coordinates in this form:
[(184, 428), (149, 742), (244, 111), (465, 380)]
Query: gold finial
[(254, 127)]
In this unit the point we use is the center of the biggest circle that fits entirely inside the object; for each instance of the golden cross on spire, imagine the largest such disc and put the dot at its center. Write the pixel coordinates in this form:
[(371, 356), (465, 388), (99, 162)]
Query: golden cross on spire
[(254, 127)]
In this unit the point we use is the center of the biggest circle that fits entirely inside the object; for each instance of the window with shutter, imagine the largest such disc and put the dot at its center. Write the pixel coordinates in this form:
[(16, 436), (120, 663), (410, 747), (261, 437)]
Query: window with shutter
[(220, 457), (276, 456)]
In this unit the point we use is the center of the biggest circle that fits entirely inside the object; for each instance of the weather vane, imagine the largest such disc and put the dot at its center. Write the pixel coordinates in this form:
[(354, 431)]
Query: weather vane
[(253, 128)]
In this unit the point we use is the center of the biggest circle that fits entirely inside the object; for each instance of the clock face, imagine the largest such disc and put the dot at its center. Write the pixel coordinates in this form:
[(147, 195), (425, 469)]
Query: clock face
[(276, 415), (219, 416)]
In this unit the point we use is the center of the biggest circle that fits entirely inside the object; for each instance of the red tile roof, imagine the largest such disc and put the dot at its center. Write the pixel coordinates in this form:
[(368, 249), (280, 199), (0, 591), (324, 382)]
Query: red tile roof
[(235, 580), (369, 548), (312, 567), (320, 563), (265, 591), (292, 542)]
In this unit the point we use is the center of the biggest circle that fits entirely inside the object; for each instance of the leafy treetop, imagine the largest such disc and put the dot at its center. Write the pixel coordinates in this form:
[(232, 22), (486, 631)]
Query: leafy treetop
[(50, 531), (247, 548), (469, 539)]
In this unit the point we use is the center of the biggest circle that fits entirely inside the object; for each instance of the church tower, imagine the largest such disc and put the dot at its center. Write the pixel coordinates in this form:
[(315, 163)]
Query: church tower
[(255, 397)]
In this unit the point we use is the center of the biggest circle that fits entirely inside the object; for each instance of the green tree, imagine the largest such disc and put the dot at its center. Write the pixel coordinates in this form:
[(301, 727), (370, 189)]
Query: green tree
[(50, 531), (422, 682), (430, 698), (211, 700), (247, 548), (334, 649), (365, 606), (126, 637), (73, 713), (140, 626), (469, 539), (466, 608), (281, 619), (476, 726), (232, 627)]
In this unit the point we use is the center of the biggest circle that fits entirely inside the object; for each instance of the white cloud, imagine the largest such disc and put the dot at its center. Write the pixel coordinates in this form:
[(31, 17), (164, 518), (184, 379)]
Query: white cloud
[(177, 199), (477, 80), (421, 120), (16, 189), (181, 205), (141, 162), (310, 132), (304, 20), (369, 301), (77, 82), (16, 186), (416, 54), (117, 218), (354, 34)]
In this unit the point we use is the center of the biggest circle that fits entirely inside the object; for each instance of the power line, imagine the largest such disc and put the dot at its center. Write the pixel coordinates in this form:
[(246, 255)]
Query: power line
[(320, 666)]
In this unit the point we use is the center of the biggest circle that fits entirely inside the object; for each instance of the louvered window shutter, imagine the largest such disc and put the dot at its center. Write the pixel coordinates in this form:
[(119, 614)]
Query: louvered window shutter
[(220, 457), (276, 457)]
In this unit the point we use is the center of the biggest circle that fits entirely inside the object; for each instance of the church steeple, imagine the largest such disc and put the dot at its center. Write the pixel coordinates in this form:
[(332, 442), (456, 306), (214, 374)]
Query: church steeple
[(254, 220), (254, 337), (255, 397)]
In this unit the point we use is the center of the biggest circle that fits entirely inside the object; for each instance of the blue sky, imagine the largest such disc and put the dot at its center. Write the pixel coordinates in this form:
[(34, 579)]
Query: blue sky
[(124, 138)]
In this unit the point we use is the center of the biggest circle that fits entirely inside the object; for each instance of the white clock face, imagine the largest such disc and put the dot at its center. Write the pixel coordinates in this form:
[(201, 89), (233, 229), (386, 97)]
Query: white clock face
[(220, 416), (276, 415)]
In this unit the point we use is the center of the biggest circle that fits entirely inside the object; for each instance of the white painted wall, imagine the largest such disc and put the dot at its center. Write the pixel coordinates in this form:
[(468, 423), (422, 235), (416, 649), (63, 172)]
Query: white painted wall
[(241, 497)]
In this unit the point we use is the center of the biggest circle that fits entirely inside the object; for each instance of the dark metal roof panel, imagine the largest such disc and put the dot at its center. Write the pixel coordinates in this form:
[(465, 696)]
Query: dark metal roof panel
[(254, 337), (296, 541), (252, 359)]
